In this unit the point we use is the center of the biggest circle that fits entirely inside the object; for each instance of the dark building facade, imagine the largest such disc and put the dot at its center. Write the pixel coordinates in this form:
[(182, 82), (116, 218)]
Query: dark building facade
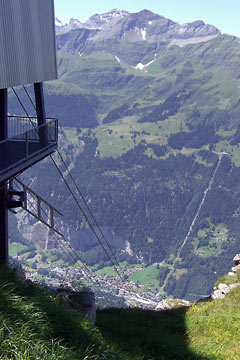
[(27, 56)]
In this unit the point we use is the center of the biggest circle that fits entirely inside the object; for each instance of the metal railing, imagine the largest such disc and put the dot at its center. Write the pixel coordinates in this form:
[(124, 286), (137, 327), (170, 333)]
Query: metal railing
[(25, 146), (44, 133), (21, 124)]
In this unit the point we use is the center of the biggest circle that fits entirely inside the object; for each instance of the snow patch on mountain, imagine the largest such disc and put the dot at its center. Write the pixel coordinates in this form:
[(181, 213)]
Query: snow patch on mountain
[(58, 22), (99, 20), (117, 12), (137, 30), (140, 66), (143, 32), (143, 67), (76, 22)]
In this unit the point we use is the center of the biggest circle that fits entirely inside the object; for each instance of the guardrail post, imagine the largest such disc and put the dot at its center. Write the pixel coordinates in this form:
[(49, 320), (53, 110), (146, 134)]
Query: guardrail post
[(27, 145), (51, 217), (39, 208)]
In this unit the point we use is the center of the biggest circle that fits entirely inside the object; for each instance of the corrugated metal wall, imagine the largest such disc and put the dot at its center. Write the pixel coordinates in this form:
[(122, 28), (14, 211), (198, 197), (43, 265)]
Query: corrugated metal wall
[(27, 42)]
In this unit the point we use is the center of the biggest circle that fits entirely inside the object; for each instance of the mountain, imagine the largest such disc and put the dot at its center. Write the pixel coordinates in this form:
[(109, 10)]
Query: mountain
[(73, 24), (149, 116), (142, 26)]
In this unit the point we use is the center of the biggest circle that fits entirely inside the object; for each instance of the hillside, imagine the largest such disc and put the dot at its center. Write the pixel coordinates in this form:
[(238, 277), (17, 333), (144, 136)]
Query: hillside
[(36, 324), (149, 117)]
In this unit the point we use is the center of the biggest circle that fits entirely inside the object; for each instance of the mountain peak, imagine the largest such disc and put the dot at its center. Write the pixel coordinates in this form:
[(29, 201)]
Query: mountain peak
[(147, 15), (75, 23), (99, 20), (197, 29)]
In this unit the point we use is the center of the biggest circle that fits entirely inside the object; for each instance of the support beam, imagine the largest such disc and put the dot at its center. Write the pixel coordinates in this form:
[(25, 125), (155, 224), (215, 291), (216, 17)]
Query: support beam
[(3, 114), (3, 225), (41, 115), (3, 185), (40, 107)]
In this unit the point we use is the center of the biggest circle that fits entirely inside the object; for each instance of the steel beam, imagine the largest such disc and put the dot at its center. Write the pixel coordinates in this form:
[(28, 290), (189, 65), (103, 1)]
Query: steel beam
[(41, 115), (3, 114), (3, 185)]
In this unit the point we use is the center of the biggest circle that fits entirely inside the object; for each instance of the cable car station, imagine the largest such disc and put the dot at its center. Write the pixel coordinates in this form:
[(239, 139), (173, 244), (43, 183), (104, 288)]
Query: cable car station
[(27, 57)]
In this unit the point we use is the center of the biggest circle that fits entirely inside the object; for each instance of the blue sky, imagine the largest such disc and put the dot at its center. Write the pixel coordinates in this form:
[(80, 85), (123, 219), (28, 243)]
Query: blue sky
[(224, 14)]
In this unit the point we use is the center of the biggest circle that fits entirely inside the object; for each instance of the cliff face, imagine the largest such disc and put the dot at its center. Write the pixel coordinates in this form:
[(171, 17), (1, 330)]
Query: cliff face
[(82, 240)]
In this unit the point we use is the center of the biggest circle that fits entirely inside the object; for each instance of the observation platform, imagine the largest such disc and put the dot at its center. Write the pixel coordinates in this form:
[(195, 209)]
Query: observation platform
[(27, 143)]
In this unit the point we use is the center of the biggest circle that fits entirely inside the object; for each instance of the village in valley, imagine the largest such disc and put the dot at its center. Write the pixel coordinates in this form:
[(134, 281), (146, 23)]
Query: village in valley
[(77, 276)]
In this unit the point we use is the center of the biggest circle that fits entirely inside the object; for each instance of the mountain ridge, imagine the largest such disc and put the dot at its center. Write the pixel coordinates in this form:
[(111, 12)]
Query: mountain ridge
[(141, 26)]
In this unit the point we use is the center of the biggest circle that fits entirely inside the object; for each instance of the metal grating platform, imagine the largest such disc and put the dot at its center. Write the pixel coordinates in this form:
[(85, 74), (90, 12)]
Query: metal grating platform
[(23, 150)]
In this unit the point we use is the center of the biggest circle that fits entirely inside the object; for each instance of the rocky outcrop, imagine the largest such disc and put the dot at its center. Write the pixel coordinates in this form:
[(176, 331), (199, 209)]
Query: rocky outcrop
[(196, 29), (236, 259), (73, 25), (169, 304), (222, 290), (235, 268), (81, 240), (84, 240), (219, 293), (82, 301)]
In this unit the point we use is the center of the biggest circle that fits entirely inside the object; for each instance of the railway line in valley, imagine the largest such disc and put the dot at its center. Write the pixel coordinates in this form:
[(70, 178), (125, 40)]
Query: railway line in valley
[(177, 258)]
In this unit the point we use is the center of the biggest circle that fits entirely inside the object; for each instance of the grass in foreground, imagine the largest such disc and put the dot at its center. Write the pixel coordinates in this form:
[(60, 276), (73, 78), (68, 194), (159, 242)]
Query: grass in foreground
[(205, 331), (36, 325)]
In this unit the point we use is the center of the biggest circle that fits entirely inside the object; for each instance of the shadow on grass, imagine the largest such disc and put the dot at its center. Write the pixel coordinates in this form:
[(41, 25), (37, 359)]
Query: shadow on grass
[(149, 335), (140, 334), (23, 302)]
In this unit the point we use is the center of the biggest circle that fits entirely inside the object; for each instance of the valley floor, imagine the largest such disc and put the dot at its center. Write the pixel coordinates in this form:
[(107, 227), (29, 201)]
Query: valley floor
[(132, 293)]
